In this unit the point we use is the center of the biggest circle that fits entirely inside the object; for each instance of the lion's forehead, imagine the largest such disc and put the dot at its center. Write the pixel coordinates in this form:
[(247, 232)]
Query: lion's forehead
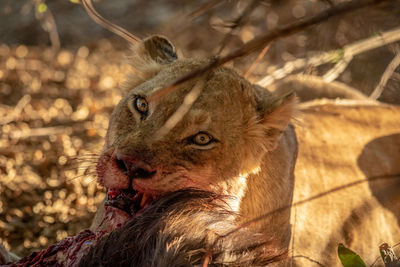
[(221, 79)]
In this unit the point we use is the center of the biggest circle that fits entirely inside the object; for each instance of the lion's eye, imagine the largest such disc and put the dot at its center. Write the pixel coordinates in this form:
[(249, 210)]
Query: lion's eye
[(202, 139), (141, 105)]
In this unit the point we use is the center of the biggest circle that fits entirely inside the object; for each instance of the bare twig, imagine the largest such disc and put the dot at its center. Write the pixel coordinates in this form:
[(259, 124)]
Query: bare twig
[(312, 198), (40, 132), (309, 259), (238, 22), (304, 201), (201, 10), (53, 32), (50, 26), (347, 51), (339, 67), (17, 110), (188, 101), (386, 76), (396, 76), (263, 40), (348, 55), (87, 4), (259, 57), (329, 2)]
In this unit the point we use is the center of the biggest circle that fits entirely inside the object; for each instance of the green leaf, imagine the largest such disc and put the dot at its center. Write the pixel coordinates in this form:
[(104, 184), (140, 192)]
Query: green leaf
[(42, 7), (349, 258), (337, 56)]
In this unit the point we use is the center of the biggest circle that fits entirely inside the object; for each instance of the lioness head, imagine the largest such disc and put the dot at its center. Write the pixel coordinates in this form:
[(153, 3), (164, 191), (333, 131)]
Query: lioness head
[(218, 142)]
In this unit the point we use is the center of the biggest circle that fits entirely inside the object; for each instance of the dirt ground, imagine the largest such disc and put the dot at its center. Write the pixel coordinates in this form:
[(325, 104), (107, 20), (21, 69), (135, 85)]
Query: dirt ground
[(55, 104)]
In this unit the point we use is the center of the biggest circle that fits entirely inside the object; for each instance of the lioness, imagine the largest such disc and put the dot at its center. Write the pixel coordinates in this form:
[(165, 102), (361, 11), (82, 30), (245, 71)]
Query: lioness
[(236, 139)]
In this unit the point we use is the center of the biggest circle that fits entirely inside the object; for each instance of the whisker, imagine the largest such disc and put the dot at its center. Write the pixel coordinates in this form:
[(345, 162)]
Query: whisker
[(81, 176)]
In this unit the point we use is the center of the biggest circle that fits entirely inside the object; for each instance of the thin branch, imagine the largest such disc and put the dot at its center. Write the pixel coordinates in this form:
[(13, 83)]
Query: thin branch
[(339, 67), (309, 259), (188, 101), (263, 40), (350, 50), (396, 76), (34, 132), (17, 110), (238, 22), (50, 26), (386, 76), (87, 4), (201, 10), (53, 32), (258, 59), (312, 198), (348, 55), (329, 2)]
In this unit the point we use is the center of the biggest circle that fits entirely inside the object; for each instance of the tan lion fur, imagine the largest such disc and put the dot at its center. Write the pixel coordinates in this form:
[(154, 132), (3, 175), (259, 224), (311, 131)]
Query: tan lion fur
[(255, 156), (341, 142)]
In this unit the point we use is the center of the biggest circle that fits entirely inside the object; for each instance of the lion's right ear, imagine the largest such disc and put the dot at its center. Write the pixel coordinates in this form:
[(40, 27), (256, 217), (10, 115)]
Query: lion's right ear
[(276, 110), (149, 57)]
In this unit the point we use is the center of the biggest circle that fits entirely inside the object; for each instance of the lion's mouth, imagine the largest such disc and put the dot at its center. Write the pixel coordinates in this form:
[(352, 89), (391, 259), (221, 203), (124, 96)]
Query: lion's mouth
[(128, 200), (117, 171)]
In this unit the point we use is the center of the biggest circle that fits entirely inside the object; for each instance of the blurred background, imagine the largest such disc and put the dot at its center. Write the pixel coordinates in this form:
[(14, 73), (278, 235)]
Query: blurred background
[(60, 75)]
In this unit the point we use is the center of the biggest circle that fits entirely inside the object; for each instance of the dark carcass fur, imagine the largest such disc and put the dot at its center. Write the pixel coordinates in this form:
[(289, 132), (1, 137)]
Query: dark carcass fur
[(183, 228)]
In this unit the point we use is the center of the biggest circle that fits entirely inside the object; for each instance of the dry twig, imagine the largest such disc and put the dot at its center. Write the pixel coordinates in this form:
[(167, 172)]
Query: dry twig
[(386, 76), (263, 40), (238, 22), (50, 26), (312, 198), (181, 111), (396, 76), (339, 67), (348, 51), (17, 110), (258, 59), (201, 10), (87, 4), (309, 259), (34, 132)]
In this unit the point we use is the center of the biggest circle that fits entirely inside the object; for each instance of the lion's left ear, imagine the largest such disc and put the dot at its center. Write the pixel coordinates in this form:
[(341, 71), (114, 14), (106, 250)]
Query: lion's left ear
[(276, 113), (149, 57), (158, 49)]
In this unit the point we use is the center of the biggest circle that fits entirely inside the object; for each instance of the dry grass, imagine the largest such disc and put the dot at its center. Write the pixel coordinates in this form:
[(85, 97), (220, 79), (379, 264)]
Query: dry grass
[(50, 138)]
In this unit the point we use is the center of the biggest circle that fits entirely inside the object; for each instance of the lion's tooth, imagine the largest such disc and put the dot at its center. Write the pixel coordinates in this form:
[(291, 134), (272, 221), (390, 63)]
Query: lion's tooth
[(113, 193), (144, 199)]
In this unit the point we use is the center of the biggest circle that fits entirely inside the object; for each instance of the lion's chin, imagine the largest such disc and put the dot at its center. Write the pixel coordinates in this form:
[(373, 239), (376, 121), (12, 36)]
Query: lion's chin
[(121, 205)]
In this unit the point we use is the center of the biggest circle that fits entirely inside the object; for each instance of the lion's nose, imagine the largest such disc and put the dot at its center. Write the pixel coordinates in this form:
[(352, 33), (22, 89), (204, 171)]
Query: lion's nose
[(134, 168)]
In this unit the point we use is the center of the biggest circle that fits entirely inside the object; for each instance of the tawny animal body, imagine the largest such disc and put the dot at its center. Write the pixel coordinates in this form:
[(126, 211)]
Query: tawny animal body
[(342, 143), (235, 140)]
